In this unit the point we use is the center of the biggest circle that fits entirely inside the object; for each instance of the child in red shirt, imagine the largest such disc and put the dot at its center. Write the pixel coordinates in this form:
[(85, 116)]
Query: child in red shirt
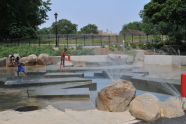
[(63, 57)]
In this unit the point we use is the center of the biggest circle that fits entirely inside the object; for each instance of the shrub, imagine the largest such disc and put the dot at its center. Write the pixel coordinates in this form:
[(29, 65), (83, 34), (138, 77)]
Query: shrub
[(111, 48), (120, 48), (133, 45), (141, 45), (148, 45), (26, 50)]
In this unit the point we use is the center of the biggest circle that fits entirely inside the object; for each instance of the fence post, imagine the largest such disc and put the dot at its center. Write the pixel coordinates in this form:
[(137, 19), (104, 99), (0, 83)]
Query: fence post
[(67, 40), (92, 40), (18, 41), (109, 39), (84, 40), (76, 40), (58, 42), (7, 43), (117, 39), (101, 40), (39, 41)]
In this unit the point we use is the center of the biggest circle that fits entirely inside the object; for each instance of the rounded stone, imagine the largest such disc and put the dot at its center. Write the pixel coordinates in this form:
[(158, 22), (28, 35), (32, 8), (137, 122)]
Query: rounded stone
[(116, 97)]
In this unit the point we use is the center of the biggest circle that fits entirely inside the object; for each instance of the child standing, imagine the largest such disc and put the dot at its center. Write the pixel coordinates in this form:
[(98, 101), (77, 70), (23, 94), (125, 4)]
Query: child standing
[(20, 67), (63, 57)]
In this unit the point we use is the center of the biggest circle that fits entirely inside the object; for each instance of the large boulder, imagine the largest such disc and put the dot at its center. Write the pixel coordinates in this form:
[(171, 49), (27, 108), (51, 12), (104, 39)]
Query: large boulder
[(44, 59), (172, 108), (32, 59), (145, 107), (24, 60), (116, 97), (2, 62)]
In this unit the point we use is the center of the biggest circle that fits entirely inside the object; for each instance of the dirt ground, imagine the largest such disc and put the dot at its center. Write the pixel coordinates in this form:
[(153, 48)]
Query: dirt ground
[(106, 51)]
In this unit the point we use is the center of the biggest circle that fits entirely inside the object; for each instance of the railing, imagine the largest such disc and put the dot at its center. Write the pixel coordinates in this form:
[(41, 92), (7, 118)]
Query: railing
[(81, 39)]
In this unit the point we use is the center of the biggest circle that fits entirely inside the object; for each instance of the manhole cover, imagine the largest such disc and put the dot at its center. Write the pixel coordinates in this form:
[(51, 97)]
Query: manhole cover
[(27, 108)]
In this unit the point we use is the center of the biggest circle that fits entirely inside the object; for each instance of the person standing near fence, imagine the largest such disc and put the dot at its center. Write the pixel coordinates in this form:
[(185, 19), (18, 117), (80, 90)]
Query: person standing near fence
[(63, 57)]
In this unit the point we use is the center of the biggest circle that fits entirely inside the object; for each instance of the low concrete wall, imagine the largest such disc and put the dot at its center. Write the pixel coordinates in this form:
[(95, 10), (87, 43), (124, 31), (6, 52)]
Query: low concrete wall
[(96, 58), (2, 62), (158, 60), (165, 60)]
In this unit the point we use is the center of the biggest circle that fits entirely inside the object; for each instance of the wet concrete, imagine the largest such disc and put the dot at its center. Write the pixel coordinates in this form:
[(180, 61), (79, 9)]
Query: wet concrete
[(62, 75), (102, 75), (95, 68), (14, 98), (166, 86), (60, 93), (42, 81), (90, 85)]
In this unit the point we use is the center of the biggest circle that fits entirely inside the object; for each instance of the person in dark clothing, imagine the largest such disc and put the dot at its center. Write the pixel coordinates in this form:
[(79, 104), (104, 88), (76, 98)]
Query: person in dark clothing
[(12, 59)]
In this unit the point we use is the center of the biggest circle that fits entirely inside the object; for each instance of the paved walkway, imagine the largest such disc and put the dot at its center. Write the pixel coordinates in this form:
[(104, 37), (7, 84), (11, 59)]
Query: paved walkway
[(50, 115)]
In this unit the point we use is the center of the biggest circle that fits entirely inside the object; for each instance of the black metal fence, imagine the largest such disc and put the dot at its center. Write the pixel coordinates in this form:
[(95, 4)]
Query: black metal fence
[(81, 39)]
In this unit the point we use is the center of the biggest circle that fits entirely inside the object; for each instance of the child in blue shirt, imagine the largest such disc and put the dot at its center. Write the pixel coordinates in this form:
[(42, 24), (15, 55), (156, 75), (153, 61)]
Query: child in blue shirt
[(20, 67)]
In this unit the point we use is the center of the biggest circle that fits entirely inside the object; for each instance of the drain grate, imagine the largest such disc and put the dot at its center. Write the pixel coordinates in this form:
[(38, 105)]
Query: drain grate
[(27, 108)]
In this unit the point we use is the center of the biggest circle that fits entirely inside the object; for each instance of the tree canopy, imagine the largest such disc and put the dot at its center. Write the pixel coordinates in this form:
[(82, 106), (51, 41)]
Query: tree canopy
[(64, 26), (133, 25), (89, 29), (167, 16), (169, 11), (21, 17), (44, 31)]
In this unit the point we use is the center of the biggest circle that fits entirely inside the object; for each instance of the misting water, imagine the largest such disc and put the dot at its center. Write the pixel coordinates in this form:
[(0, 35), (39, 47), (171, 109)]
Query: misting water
[(118, 67), (115, 74)]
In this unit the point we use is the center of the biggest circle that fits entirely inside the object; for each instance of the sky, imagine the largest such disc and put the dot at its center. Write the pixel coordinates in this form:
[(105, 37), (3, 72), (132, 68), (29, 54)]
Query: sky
[(108, 15)]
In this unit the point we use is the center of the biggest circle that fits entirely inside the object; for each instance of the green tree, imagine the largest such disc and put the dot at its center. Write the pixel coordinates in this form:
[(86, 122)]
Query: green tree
[(168, 15), (89, 29), (21, 17), (64, 26), (44, 31), (133, 26)]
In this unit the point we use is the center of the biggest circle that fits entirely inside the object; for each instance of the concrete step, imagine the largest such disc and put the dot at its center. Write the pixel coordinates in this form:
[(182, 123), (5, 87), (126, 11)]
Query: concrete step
[(62, 75), (165, 86), (42, 81), (123, 67), (60, 93), (90, 85)]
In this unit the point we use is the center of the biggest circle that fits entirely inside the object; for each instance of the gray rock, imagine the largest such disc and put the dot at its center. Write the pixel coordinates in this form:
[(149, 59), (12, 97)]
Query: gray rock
[(172, 108), (145, 107), (2, 62), (116, 97), (24, 60), (43, 59), (30, 60)]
